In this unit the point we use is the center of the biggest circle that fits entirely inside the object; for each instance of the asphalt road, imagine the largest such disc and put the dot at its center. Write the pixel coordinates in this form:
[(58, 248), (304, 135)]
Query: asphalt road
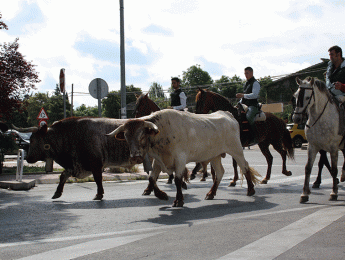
[(126, 225)]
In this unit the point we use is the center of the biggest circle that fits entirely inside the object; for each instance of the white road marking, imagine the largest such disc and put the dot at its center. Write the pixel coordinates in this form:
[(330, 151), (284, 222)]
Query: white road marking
[(87, 248), (287, 237)]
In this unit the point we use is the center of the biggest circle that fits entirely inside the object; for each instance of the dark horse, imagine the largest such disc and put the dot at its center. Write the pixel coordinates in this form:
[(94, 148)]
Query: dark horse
[(272, 131)]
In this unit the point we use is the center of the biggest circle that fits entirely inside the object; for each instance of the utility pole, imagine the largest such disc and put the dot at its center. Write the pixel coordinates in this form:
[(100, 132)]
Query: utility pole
[(122, 62)]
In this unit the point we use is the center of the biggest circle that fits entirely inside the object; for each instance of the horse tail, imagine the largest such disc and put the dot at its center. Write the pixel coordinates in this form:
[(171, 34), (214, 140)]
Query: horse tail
[(288, 145)]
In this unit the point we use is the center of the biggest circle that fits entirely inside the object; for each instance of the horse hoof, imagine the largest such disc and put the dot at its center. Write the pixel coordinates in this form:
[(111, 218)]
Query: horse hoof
[(162, 195), (287, 173), (184, 186), (192, 176), (316, 185), (264, 181), (202, 179), (147, 192), (251, 192), (209, 197), (178, 203), (98, 197), (232, 184), (169, 182), (333, 197), (304, 199), (57, 195)]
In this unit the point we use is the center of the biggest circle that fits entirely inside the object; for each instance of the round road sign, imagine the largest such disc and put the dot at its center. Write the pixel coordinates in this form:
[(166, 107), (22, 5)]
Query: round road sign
[(98, 88)]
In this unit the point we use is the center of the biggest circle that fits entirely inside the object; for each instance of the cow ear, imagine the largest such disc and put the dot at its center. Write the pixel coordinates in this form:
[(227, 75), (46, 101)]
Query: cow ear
[(120, 136)]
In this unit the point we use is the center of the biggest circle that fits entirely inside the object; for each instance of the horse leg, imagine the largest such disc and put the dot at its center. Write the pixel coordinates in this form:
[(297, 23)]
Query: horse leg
[(195, 170), (342, 178), (216, 164), (334, 173), (63, 178), (204, 171), (279, 148), (322, 162), (269, 158), (233, 182), (308, 167)]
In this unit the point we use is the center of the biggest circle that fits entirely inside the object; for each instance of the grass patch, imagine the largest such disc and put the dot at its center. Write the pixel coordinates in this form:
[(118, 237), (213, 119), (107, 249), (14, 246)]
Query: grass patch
[(26, 169), (112, 169)]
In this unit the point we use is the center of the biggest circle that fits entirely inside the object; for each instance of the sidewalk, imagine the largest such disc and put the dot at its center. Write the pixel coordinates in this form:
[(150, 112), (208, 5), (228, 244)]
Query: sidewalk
[(29, 180)]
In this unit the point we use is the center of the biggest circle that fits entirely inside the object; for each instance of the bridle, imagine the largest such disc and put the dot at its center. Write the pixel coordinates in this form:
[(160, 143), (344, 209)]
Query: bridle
[(303, 112)]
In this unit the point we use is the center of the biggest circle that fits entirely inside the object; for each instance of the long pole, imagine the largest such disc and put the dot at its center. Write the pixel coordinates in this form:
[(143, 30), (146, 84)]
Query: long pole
[(122, 62), (72, 102)]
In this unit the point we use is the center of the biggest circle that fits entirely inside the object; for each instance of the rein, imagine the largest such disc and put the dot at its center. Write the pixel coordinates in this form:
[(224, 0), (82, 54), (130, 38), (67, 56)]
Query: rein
[(305, 109)]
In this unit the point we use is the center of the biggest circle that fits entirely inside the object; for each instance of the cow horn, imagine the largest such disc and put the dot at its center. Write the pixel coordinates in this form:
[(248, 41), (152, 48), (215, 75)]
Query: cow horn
[(151, 126), (25, 130), (117, 130)]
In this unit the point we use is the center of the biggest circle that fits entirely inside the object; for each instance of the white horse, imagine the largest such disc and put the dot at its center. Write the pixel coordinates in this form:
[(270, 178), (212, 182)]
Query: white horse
[(314, 99)]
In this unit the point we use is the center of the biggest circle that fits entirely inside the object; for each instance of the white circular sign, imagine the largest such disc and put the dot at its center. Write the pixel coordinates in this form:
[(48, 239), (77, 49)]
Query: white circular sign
[(98, 88)]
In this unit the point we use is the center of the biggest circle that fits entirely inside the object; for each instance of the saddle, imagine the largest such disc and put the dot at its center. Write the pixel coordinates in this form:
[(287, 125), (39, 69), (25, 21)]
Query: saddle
[(247, 134)]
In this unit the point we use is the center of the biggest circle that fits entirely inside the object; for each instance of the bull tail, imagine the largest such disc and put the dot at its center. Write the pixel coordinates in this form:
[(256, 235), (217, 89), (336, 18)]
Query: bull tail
[(288, 145), (254, 175)]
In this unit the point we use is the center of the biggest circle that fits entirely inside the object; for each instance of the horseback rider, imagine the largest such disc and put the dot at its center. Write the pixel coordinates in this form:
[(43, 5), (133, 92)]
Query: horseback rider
[(250, 96), (335, 79), (178, 97)]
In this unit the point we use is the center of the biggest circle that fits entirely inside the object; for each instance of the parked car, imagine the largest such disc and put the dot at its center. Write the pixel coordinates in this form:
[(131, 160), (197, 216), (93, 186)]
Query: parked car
[(22, 139), (297, 134)]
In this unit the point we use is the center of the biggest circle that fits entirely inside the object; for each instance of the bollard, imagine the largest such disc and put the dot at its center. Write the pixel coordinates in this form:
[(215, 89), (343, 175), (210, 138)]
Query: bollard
[(20, 165)]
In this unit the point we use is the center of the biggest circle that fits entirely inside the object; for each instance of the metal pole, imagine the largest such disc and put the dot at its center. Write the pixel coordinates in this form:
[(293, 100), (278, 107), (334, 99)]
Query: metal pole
[(99, 97), (64, 104), (72, 102), (122, 62)]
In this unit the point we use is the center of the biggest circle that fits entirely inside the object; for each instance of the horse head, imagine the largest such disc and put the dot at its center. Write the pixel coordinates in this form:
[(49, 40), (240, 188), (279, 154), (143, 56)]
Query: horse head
[(144, 106), (204, 102)]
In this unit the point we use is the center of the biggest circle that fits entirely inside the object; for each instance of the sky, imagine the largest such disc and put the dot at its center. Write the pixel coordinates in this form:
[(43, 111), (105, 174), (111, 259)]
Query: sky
[(165, 38)]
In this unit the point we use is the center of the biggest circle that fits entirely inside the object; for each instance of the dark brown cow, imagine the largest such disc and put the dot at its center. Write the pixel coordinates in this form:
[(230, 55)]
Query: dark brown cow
[(81, 147)]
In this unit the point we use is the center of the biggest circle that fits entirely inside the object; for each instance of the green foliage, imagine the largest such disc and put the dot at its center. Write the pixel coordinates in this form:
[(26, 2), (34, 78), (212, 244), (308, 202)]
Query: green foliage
[(83, 111), (112, 103), (156, 91), (228, 87), (265, 90)]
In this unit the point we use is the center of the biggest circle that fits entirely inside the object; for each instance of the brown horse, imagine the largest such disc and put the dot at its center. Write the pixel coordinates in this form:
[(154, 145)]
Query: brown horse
[(145, 106), (272, 131)]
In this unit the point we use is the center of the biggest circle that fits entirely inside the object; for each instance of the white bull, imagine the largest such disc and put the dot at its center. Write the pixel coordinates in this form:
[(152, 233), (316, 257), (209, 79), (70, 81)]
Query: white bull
[(175, 138)]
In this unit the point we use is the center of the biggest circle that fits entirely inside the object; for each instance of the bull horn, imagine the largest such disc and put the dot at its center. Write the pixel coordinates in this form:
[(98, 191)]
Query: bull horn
[(25, 130), (152, 126), (298, 80), (117, 131)]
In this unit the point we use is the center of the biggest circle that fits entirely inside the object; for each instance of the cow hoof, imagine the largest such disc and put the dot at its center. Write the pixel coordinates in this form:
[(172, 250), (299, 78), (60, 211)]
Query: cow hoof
[(232, 184), (178, 203), (304, 199), (169, 181), (337, 181), (333, 197), (209, 197), (147, 192), (98, 197), (192, 176), (57, 195), (287, 173), (264, 181), (202, 179), (184, 186), (316, 185), (251, 192)]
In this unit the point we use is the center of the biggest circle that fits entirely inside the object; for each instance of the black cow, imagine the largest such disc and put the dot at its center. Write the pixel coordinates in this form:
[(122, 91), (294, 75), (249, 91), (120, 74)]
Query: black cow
[(81, 147)]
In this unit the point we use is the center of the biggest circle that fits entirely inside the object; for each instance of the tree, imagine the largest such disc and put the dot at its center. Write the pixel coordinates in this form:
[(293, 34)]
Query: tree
[(17, 77), (55, 109), (35, 103), (112, 103), (86, 111), (266, 91), (156, 91)]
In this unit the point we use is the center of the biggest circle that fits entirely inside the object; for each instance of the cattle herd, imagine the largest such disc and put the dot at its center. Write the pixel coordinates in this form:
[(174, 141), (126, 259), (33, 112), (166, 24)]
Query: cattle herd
[(168, 138)]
